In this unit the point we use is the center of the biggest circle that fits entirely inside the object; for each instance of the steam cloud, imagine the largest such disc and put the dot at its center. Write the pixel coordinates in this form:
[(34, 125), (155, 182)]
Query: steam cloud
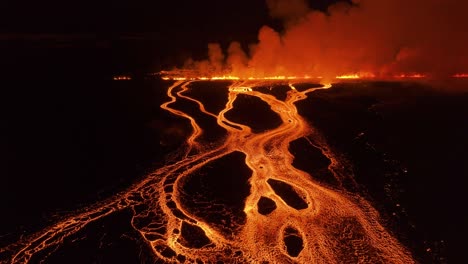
[(383, 37)]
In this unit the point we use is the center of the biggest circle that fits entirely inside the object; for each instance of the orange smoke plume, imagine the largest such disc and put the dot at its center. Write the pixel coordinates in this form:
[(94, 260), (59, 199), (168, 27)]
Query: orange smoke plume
[(383, 38)]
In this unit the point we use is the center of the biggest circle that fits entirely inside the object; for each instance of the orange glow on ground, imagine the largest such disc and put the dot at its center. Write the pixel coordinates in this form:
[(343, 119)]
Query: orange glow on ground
[(237, 78), (334, 225), (350, 76)]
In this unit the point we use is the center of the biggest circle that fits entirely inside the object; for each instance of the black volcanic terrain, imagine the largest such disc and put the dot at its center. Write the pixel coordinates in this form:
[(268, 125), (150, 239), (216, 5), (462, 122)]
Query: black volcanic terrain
[(211, 131), (72, 142), (253, 112), (214, 95), (278, 91), (408, 146), (311, 160), (216, 192)]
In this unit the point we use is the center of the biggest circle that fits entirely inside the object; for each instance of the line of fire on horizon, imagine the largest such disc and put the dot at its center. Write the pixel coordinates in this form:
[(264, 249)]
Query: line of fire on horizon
[(183, 76)]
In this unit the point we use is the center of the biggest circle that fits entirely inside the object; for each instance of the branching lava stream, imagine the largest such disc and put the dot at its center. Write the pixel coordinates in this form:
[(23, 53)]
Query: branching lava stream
[(287, 216)]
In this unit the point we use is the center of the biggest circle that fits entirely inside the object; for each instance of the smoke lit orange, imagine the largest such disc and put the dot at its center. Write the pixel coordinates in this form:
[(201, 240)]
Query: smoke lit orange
[(425, 40)]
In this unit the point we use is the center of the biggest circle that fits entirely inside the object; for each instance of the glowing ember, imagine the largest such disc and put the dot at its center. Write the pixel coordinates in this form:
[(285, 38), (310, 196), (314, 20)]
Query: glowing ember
[(413, 75), (122, 78), (327, 225)]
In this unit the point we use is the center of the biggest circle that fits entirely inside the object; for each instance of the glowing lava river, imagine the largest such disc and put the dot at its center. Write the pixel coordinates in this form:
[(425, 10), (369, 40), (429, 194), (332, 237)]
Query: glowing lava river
[(237, 199)]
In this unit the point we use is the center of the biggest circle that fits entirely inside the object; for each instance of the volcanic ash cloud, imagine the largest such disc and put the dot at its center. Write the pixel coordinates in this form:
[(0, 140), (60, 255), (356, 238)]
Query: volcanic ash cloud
[(383, 37)]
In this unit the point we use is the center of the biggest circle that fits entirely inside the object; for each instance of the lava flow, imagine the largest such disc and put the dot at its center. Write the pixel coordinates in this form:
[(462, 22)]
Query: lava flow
[(286, 216)]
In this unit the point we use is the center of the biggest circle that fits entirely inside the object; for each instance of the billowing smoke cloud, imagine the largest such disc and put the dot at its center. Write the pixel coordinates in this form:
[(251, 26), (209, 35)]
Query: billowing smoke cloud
[(215, 63), (215, 53), (384, 37), (237, 59)]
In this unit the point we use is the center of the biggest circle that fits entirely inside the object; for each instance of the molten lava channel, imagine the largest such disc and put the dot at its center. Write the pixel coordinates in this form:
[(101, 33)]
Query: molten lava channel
[(285, 216)]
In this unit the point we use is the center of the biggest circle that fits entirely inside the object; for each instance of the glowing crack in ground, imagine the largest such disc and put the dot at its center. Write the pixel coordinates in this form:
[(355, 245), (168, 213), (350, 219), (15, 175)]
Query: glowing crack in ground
[(303, 221)]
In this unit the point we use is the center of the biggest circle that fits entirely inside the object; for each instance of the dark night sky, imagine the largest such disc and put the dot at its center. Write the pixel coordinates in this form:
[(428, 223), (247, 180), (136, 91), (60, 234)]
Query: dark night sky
[(136, 16), (122, 36)]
